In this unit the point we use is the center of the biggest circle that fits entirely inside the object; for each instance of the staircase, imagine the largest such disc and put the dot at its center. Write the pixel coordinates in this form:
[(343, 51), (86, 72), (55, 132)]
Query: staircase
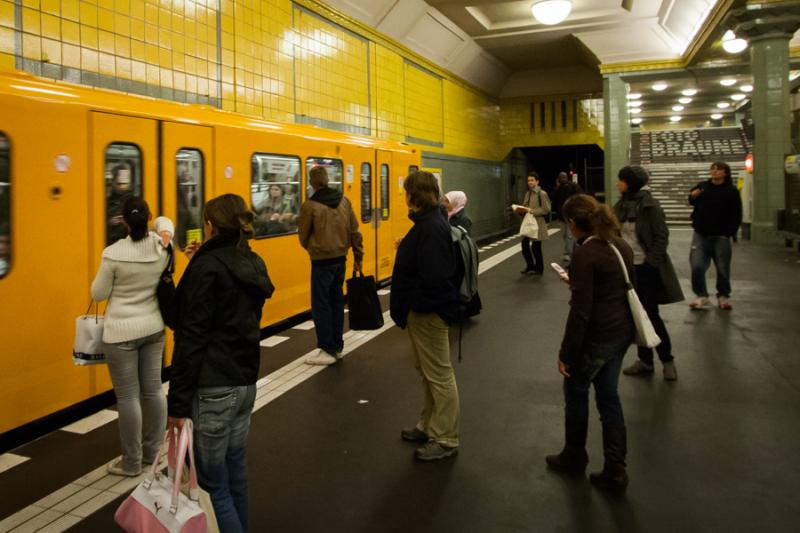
[(679, 159)]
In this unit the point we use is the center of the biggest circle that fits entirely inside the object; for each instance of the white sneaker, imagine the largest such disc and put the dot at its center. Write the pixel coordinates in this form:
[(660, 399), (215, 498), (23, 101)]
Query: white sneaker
[(699, 303), (320, 357), (724, 303)]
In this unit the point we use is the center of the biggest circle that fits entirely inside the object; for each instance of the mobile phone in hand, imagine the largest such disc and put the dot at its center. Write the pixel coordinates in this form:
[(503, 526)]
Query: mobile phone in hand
[(560, 271)]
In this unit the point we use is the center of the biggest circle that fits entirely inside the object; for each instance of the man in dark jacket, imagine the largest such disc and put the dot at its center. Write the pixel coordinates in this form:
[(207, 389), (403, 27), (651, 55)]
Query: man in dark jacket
[(328, 227), (565, 188), (716, 219)]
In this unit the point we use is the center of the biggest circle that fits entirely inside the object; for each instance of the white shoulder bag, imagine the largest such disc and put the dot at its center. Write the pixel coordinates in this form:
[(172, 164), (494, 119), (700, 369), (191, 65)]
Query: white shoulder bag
[(645, 332), (88, 348)]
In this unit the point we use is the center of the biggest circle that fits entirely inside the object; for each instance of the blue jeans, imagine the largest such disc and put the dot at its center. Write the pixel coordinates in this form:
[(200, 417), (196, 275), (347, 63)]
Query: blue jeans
[(704, 250), (135, 369), (327, 304), (221, 418), (601, 368)]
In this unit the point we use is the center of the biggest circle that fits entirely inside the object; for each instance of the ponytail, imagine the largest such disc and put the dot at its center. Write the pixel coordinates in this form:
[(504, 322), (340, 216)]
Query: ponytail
[(591, 217), (231, 216), (136, 214)]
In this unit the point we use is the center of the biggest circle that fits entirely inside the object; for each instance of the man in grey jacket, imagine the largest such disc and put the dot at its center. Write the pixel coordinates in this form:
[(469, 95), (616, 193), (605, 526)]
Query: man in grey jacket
[(328, 227)]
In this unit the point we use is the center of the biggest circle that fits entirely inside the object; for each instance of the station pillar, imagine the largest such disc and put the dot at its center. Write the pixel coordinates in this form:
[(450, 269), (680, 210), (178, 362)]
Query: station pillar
[(617, 132)]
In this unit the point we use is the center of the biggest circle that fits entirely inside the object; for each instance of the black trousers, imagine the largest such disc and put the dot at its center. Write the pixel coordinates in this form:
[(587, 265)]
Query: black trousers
[(532, 252), (648, 286)]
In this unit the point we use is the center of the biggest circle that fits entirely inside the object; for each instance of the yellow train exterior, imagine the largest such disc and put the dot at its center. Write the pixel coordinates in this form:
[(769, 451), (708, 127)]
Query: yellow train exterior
[(58, 137)]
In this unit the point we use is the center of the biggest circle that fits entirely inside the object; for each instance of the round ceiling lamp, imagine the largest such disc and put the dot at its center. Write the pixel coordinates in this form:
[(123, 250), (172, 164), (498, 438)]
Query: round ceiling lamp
[(636, 121), (636, 110), (716, 116), (746, 88), (685, 100), (689, 92), (677, 108), (727, 82), (674, 118), (723, 105), (732, 44), (635, 103), (659, 86), (738, 97), (634, 96), (551, 12)]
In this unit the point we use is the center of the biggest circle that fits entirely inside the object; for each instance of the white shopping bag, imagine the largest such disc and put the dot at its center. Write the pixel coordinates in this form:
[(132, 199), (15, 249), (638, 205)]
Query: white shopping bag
[(88, 348), (529, 227)]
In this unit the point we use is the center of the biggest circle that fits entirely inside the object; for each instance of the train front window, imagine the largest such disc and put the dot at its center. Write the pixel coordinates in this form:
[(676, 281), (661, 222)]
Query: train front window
[(366, 193), (5, 206), (189, 181), (334, 168), (275, 194), (385, 191), (122, 179)]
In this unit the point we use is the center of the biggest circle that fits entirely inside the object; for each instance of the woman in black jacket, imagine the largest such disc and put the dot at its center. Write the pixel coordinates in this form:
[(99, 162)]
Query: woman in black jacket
[(217, 354), (644, 228), (424, 301)]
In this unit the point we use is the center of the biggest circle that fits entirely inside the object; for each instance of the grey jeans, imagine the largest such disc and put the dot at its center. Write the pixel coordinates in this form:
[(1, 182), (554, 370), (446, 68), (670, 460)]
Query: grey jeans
[(135, 368)]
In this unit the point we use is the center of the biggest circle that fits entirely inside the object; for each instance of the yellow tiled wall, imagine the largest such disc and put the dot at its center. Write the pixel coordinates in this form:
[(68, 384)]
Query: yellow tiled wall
[(269, 58)]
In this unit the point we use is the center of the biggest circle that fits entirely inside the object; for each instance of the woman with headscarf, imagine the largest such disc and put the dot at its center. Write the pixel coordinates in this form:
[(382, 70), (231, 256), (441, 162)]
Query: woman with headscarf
[(455, 202), (644, 228)]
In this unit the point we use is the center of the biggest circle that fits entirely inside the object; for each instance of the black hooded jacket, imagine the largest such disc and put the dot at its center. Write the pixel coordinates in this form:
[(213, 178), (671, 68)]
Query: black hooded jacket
[(424, 270), (717, 210), (327, 196), (219, 302)]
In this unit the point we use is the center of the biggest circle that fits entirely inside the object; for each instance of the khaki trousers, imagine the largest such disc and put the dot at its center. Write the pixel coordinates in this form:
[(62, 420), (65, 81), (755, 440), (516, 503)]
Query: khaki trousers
[(431, 347)]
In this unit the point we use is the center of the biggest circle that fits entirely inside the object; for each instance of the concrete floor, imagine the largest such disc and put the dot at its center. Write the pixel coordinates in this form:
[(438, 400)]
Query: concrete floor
[(715, 451)]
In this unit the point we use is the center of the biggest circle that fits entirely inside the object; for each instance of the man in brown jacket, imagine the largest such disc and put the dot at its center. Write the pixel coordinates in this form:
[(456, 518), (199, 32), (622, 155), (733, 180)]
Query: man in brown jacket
[(327, 227)]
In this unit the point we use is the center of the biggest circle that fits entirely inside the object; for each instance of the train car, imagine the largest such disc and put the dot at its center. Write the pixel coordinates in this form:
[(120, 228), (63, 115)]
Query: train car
[(69, 155)]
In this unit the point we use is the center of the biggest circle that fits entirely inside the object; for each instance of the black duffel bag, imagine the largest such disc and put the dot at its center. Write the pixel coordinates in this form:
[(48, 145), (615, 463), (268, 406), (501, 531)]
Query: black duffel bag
[(165, 291), (365, 308)]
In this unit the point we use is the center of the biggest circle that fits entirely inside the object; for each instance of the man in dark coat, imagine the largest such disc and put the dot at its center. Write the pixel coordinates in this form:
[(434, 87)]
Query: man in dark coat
[(565, 188), (716, 219)]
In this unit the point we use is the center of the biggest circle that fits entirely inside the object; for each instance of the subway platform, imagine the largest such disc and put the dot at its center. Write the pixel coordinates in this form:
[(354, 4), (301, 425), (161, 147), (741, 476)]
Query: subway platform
[(716, 451)]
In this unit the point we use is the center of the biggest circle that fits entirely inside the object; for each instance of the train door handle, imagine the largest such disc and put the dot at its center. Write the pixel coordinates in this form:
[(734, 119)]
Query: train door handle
[(376, 217)]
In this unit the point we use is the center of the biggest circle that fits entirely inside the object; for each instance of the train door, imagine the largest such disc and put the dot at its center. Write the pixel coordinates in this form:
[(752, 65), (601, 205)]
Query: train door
[(384, 243), (186, 163), (366, 213), (124, 163)]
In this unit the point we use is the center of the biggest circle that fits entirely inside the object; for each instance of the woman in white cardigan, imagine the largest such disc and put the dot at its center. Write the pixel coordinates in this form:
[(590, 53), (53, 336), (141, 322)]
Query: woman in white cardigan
[(134, 333)]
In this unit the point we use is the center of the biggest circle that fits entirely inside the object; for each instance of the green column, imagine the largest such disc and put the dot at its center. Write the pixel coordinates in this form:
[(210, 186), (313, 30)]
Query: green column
[(772, 119), (617, 132)]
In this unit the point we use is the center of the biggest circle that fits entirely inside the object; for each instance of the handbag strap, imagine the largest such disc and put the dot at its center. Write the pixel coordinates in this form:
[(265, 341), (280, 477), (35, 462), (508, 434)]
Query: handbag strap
[(621, 261), (185, 445), (171, 261), (96, 311)]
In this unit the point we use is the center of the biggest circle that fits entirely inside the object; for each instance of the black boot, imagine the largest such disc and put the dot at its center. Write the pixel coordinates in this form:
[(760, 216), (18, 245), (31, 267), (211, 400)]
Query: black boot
[(613, 475), (573, 458)]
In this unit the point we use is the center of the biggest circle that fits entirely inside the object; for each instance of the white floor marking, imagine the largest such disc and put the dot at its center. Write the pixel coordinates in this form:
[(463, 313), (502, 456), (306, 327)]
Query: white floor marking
[(273, 341), (305, 326), (68, 505), (89, 423), (10, 460)]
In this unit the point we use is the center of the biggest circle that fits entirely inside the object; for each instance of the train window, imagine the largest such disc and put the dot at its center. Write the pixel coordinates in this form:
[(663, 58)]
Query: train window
[(5, 206), (385, 191), (366, 193), (275, 194), (123, 178), (189, 182), (334, 168)]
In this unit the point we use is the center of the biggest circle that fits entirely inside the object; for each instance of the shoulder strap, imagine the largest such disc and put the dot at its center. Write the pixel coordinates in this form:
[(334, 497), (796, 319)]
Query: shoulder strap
[(622, 264)]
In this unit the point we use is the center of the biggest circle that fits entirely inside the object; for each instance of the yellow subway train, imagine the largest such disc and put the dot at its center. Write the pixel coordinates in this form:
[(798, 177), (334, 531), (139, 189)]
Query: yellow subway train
[(69, 155)]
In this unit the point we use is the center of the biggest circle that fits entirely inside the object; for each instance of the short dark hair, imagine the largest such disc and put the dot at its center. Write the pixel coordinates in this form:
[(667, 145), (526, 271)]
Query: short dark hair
[(318, 177), (422, 189), (533, 174), (231, 216), (720, 165)]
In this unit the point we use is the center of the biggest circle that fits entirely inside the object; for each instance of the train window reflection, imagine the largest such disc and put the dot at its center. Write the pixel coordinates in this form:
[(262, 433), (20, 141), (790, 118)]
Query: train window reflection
[(189, 178), (385, 191), (334, 168), (123, 178), (366, 193), (5, 206), (274, 193)]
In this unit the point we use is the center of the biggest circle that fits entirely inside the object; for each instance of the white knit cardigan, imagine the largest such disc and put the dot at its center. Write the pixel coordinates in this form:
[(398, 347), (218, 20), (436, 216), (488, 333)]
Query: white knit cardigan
[(128, 277)]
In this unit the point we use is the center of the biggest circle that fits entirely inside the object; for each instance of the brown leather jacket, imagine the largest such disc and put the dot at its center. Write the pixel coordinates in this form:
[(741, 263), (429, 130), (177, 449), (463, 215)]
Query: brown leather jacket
[(328, 227)]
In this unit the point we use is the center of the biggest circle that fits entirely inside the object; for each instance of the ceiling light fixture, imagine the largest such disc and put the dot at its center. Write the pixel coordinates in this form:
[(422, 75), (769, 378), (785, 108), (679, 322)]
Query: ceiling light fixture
[(727, 82), (733, 44), (746, 88), (636, 121), (634, 96), (677, 108), (689, 92), (551, 12), (636, 110), (635, 103), (738, 97), (675, 118), (659, 86), (723, 105), (716, 116), (685, 100)]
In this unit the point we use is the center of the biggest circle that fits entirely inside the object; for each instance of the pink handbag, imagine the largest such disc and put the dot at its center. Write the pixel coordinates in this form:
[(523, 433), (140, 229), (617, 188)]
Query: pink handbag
[(157, 504)]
